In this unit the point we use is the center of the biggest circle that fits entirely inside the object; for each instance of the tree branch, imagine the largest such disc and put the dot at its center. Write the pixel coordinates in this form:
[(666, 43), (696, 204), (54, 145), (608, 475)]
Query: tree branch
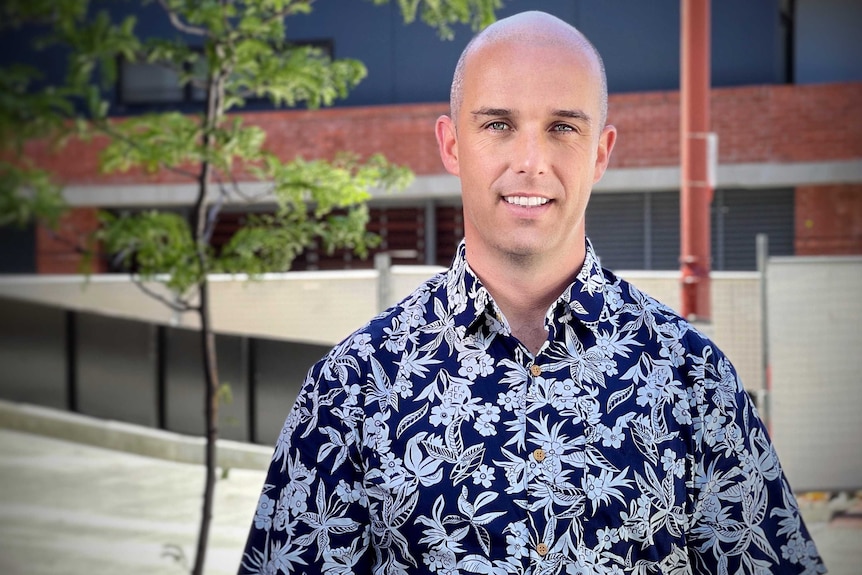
[(105, 127), (235, 189), (180, 305), (177, 23)]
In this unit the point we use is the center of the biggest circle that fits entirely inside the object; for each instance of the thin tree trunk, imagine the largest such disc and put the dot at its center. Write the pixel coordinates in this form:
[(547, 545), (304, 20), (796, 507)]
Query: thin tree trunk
[(211, 380), (214, 112)]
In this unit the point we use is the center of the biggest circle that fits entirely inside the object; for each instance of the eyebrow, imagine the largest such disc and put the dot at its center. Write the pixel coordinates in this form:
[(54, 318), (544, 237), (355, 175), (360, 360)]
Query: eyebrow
[(571, 114), (492, 112)]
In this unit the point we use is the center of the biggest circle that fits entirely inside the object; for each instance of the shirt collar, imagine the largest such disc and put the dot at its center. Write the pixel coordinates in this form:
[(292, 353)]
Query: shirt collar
[(472, 305)]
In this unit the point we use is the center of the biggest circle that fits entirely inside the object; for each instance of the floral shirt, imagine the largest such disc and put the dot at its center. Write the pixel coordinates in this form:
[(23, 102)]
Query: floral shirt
[(433, 441)]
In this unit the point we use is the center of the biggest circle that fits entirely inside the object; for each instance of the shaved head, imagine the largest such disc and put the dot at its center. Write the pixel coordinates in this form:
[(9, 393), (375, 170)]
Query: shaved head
[(531, 27)]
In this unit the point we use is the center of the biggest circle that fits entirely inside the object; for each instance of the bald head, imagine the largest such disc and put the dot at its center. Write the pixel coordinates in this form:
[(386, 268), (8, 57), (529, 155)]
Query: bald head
[(538, 28)]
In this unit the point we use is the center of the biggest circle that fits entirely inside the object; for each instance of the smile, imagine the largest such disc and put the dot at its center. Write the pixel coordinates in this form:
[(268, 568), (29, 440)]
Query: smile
[(526, 201)]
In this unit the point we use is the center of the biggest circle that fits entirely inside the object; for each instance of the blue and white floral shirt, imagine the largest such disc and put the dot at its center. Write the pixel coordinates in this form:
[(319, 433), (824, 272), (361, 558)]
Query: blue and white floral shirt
[(432, 441)]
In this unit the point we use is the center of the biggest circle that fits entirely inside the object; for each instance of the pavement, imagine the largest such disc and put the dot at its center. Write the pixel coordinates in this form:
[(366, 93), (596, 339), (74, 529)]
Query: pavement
[(80, 495)]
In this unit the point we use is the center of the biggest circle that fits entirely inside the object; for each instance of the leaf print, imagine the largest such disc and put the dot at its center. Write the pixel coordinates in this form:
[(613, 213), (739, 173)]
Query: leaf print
[(618, 397), (477, 564), (578, 308), (336, 441), (380, 387), (410, 419), (446, 454), (470, 459), (644, 439), (426, 471)]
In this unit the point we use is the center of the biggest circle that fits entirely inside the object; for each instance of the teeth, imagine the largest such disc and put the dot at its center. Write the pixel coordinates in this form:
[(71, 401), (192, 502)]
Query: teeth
[(526, 201)]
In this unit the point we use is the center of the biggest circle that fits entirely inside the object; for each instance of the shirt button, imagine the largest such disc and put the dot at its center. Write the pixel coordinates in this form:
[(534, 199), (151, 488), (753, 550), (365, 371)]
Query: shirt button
[(539, 455), (536, 370), (542, 549)]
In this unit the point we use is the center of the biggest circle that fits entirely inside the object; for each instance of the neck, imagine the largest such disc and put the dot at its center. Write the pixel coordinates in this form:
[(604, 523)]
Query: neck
[(524, 288)]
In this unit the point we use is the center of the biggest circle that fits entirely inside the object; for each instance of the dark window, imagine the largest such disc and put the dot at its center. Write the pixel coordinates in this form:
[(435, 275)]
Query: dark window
[(155, 84)]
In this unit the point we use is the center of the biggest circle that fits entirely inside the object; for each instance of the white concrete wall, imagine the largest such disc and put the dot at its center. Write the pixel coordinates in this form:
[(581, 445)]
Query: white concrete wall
[(815, 349), (325, 307)]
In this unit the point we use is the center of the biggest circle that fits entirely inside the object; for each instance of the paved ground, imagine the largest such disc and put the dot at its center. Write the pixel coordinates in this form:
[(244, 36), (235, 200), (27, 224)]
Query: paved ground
[(71, 508), (67, 508)]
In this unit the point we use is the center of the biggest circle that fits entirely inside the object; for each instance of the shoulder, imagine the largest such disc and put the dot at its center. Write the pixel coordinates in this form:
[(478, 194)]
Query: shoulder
[(681, 340), (382, 332)]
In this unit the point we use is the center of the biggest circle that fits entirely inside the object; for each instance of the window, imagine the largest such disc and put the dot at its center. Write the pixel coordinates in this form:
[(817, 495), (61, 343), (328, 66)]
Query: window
[(154, 84)]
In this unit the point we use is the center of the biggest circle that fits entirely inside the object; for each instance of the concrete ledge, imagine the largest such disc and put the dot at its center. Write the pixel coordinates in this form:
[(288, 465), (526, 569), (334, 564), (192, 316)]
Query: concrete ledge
[(128, 437)]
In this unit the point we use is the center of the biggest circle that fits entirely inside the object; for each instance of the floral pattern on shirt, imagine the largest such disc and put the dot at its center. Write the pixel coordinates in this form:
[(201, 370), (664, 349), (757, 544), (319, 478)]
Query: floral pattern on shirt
[(432, 441)]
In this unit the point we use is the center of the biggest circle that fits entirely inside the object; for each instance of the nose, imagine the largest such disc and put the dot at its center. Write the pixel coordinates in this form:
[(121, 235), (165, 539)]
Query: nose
[(530, 154)]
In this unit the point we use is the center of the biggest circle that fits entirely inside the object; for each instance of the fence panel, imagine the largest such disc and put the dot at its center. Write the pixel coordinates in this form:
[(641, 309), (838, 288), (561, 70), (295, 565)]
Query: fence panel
[(184, 384), (815, 342), (33, 353), (116, 369)]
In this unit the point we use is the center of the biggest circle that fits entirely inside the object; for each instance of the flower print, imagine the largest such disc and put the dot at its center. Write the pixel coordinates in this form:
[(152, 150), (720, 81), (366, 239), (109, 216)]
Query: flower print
[(469, 368), (348, 494), (392, 466), (616, 446), (607, 537), (612, 436), (613, 297), (483, 476), (362, 344), (486, 365), (714, 426), (434, 558), (517, 541), (263, 515), (605, 345), (564, 394), (414, 316), (441, 415), (376, 431), (403, 387), (681, 411), (486, 417), (673, 464), (507, 400)]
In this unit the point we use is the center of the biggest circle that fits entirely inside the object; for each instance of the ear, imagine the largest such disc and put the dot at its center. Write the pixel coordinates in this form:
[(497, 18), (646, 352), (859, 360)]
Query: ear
[(607, 139), (447, 142)]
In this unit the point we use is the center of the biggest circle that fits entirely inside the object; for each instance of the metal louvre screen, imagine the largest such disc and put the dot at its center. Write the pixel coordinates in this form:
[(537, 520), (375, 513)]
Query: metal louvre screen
[(739, 215), (641, 231), (616, 226)]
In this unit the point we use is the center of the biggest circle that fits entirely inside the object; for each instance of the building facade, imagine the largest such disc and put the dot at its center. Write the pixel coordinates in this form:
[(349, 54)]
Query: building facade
[(786, 106)]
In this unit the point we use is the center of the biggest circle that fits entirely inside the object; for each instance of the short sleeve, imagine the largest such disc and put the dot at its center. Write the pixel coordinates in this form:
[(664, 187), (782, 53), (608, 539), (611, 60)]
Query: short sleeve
[(745, 517)]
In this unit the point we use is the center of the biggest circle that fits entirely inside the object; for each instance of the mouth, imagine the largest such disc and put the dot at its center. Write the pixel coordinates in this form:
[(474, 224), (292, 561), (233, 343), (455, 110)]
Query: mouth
[(526, 201)]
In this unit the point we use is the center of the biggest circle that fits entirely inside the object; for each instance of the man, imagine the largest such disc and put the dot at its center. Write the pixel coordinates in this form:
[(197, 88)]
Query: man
[(526, 411)]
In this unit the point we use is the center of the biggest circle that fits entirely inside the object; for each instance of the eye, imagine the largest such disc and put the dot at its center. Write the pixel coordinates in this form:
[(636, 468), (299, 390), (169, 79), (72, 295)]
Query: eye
[(497, 126), (564, 128)]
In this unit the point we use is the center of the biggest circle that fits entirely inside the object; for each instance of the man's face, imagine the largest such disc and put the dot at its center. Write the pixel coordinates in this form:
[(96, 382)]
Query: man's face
[(528, 146)]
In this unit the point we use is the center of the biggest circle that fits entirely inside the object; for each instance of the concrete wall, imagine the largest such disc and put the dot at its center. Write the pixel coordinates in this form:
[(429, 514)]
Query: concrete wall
[(815, 348), (322, 308)]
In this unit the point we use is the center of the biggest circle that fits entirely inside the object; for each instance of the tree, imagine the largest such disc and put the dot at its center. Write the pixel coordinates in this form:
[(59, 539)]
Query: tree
[(244, 52)]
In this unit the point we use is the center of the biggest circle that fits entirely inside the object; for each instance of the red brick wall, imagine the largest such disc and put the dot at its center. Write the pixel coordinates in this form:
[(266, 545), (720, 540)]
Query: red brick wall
[(57, 251), (829, 220), (754, 124)]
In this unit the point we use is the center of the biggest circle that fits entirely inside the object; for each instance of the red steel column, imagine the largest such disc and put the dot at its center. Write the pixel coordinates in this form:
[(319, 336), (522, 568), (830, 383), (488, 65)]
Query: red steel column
[(695, 186)]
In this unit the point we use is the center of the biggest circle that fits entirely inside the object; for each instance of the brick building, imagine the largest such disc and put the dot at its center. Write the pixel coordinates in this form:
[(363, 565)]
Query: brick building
[(786, 106)]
